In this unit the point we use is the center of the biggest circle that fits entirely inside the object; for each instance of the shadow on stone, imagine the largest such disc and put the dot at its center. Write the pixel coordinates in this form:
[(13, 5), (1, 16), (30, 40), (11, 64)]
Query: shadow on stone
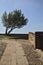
[(2, 49), (39, 40)]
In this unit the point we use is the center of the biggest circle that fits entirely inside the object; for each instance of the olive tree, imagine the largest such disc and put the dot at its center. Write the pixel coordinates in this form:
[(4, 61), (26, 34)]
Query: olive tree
[(14, 19)]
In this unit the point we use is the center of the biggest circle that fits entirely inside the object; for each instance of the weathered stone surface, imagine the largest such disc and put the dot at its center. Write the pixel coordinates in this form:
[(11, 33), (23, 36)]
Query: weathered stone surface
[(14, 54)]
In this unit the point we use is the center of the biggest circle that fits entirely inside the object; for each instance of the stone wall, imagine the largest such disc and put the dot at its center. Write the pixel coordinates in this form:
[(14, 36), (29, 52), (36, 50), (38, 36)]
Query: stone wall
[(31, 38), (16, 36), (39, 40)]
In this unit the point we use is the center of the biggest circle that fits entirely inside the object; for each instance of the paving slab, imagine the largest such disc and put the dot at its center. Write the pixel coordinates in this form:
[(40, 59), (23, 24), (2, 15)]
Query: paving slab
[(14, 54)]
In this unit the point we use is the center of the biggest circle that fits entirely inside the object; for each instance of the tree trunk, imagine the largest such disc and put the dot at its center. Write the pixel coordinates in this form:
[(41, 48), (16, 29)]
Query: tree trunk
[(10, 30), (6, 31)]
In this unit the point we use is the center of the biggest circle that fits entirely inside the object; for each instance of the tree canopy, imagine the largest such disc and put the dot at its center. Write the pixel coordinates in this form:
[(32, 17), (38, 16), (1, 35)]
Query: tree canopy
[(14, 19)]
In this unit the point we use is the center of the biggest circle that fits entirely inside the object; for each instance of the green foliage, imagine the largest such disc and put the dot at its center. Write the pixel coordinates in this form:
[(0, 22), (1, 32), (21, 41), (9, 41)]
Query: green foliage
[(15, 19)]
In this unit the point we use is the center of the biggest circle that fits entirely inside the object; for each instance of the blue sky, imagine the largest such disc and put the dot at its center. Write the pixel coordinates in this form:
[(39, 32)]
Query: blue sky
[(32, 9)]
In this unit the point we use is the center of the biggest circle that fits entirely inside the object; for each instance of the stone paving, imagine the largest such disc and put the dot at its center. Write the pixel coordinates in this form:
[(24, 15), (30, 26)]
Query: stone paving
[(41, 54), (14, 54)]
